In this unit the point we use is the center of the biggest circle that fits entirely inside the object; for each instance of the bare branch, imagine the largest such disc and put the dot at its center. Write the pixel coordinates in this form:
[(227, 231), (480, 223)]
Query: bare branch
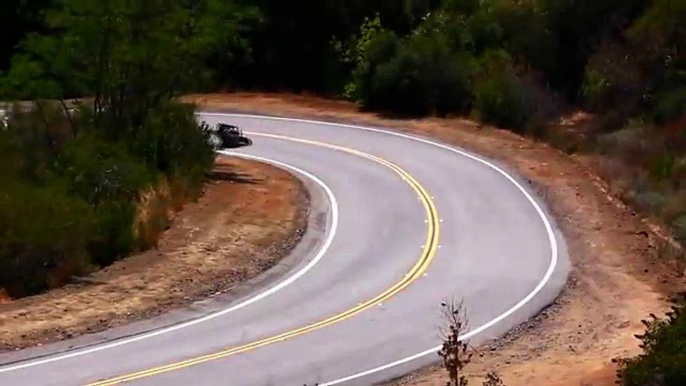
[(456, 353)]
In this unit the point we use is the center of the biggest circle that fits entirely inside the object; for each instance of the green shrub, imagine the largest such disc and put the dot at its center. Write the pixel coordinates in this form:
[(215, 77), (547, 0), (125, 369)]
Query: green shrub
[(69, 201), (43, 236), (423, 77), (112, 236), (101, 171), (502, 100), (172, 143), (594, 89), (611, 81), (376, 50), (110, 179), (663, 361), (38, 131)]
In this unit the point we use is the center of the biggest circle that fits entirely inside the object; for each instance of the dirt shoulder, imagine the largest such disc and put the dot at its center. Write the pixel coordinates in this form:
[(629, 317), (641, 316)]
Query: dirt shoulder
[(617, 277), (249, 216)]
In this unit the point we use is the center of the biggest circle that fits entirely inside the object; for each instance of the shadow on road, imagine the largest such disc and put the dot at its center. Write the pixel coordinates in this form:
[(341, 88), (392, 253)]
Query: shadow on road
[(223, 173)]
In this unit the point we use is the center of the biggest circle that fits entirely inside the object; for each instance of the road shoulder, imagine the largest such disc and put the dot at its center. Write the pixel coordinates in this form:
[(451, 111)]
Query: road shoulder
[(225, 245), (617, 277)]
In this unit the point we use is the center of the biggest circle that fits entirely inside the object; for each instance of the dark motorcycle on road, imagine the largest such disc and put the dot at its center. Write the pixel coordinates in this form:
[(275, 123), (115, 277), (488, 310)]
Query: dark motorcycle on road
[(224, 135)]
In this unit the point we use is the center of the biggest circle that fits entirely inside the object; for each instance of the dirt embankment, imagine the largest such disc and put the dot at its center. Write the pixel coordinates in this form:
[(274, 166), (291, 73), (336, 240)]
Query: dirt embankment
[(617, 276), (249, 216)]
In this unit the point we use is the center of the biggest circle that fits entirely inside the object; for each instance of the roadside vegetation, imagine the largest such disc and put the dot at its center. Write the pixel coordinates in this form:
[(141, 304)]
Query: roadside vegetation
[(87, 181), (663, 360), (84, 187)]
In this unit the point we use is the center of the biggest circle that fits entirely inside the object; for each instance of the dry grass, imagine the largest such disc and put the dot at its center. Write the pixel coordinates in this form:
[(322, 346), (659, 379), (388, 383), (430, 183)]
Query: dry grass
[(249, 216), (153, 213)]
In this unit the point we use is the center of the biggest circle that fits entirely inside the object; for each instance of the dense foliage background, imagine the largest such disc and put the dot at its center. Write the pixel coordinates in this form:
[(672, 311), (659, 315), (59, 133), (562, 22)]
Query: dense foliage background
[(78, 180), (595, 54), (87, 181)]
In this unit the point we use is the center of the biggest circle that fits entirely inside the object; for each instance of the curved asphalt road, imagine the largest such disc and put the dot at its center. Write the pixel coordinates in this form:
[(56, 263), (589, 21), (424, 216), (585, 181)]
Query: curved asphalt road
[(372, 229)]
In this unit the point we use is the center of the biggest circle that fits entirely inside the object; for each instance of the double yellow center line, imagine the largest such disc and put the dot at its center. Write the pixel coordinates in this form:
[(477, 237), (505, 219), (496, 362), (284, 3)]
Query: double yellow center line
[(428, 252)]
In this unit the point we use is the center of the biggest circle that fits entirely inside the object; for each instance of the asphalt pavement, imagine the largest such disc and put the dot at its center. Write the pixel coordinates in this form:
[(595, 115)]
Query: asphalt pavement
[(398, 226)]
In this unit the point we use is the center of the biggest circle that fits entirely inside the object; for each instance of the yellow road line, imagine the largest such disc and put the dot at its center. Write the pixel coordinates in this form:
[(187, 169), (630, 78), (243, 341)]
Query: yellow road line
[(416, 272)]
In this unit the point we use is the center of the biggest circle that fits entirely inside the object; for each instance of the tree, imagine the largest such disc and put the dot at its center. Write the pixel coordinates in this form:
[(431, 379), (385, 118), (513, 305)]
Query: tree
[(292, 49), (125, 61), (128, 56), (658, 39)]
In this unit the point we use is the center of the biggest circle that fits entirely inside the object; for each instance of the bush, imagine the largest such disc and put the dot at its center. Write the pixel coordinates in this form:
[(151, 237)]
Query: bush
[(379, 48), (37, 132), (171, 142), (612, 81), (43, 237), (110, 179), (663, 362), (113, 235), (423, 77), (72, 201), (100, 171), (502, 100)]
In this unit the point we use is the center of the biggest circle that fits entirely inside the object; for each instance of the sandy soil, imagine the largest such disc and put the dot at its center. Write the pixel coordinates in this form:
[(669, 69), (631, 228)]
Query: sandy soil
[(617, 277), (249, 216)]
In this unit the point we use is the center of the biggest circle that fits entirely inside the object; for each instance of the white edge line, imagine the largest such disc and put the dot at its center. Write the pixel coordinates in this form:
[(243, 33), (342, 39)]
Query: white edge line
[(320, 254), (471, 333), (539, 287)]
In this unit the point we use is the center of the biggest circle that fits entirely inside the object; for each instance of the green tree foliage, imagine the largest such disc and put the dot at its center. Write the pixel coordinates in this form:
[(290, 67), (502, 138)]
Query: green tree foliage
[(557, 37), (428, 71), (73, 176), (580, 48), (129, 56), (424, 76), (642, 70), (95, 183), (362, 52), (659, 37), (292, 49), (502, 100), (43, 236)]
